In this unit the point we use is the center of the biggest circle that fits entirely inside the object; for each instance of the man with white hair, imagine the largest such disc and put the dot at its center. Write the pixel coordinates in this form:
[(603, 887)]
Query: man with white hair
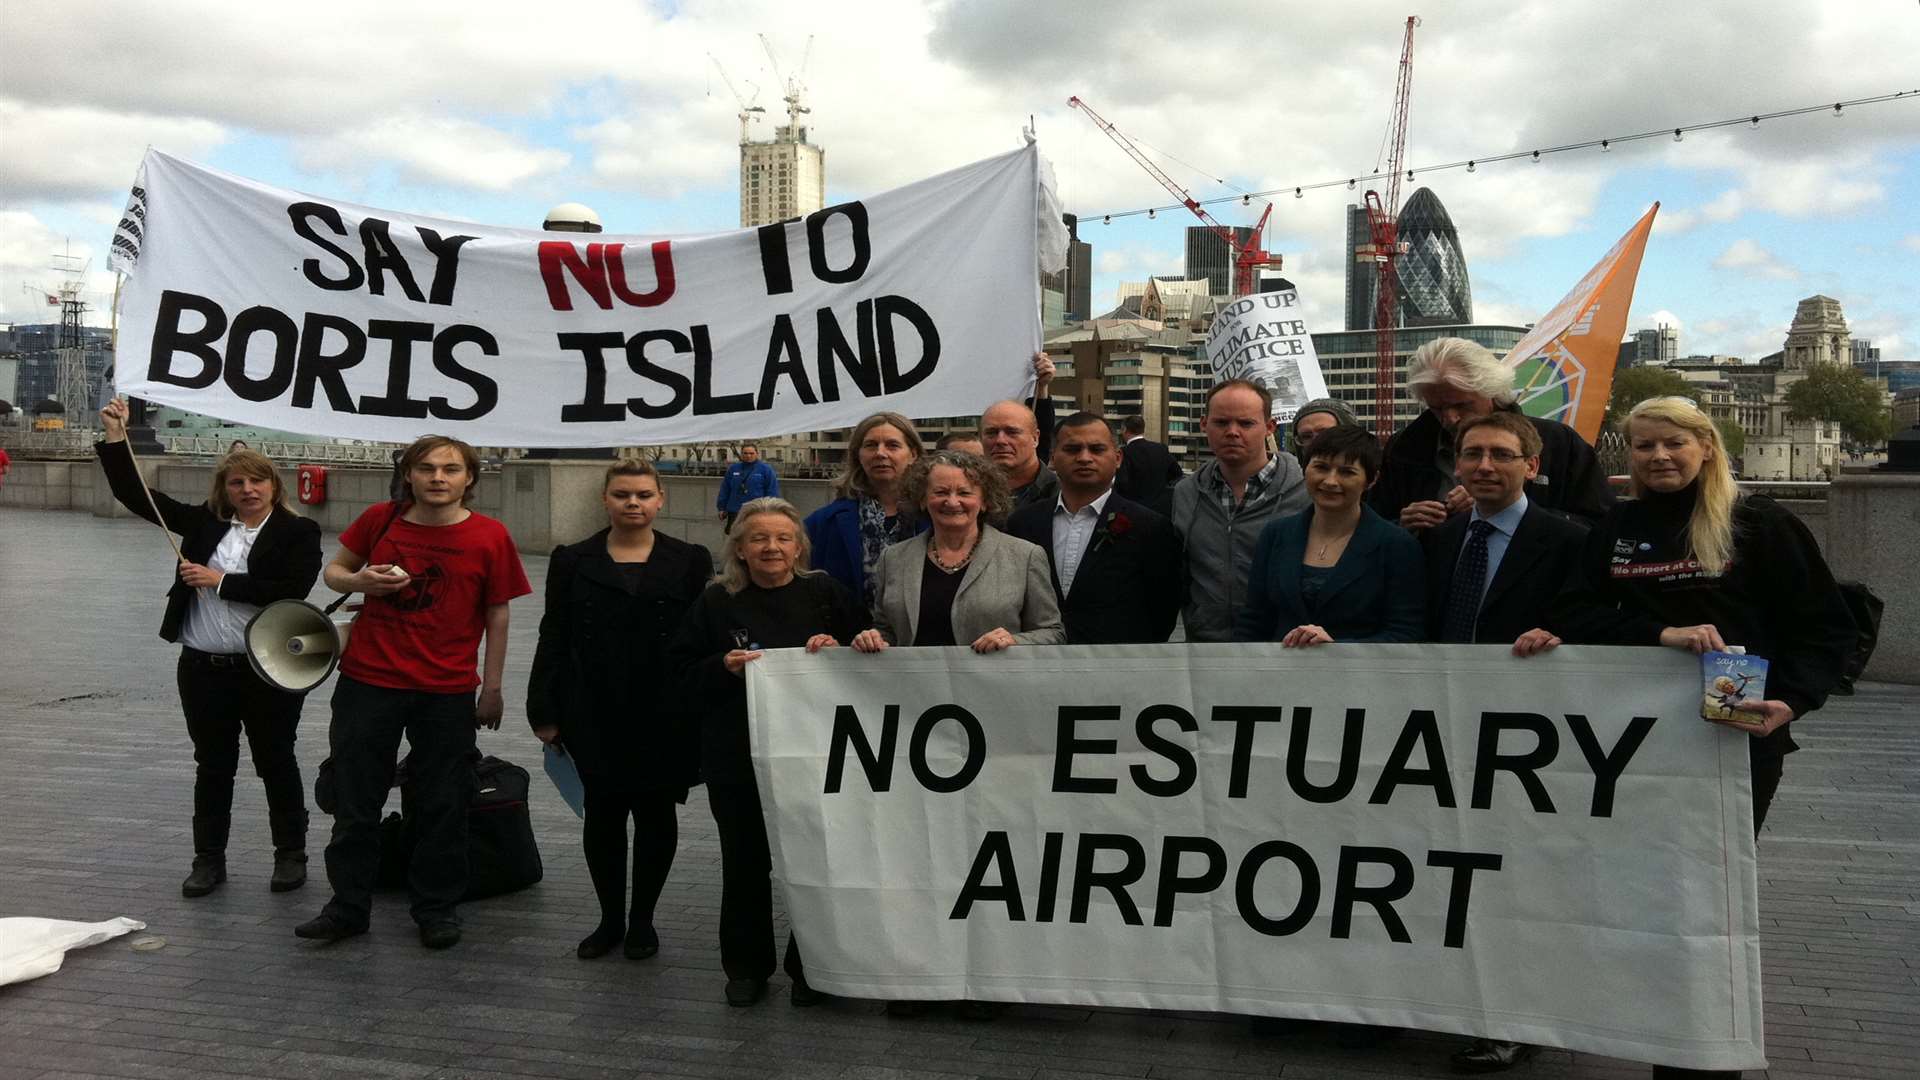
[(1457, 380)]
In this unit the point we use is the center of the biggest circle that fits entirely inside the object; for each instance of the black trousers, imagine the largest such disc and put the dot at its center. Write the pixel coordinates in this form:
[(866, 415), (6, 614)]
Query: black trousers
[(223, 698), (365, 740), (746, 885), (656, 836), (1767, 770)]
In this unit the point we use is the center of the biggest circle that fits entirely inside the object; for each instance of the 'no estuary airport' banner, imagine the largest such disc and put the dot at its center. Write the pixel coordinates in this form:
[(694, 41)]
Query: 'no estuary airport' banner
[(1556, 850)]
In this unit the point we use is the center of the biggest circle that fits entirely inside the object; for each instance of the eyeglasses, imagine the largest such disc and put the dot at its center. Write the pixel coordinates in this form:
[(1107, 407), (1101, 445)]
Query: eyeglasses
[(1498, 455)]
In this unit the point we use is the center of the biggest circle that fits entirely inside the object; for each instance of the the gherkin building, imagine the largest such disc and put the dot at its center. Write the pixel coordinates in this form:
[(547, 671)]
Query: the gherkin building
[(1433, 273), (1432, 289)]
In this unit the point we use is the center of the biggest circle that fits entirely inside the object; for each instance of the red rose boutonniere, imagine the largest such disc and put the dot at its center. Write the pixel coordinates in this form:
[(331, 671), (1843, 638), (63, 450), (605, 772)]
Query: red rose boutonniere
[(1116, 524)]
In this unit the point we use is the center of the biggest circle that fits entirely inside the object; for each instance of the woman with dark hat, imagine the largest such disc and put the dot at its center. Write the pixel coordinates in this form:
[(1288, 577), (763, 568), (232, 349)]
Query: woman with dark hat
[(1316, 416)]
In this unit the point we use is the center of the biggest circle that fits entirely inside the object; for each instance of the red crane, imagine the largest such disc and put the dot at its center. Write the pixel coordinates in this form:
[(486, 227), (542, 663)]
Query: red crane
[(1247, 257), (1386, 248)]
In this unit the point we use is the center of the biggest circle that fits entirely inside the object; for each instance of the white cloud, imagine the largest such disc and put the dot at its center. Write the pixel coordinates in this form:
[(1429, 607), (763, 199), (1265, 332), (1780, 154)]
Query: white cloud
[(658, 154), (262, 67), (1135, 263), (435, 150), (58, 153), (1674, 222), (1745, 333), (497, 96), (1885, 328), (1662, 317), (28, 247), (1744, 256)]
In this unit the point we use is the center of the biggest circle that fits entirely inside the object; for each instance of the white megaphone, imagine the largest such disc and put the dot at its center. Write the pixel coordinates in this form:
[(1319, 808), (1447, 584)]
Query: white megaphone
[(293, 645)]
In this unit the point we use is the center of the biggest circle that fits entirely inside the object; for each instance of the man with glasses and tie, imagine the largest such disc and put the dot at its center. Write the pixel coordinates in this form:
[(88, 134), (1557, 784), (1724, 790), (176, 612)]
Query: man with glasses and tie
[(1492, 571)]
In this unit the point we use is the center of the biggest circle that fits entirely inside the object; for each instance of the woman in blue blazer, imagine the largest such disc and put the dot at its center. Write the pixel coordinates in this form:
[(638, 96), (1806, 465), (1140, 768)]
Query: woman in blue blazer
[(867, 515), (1337, 571)]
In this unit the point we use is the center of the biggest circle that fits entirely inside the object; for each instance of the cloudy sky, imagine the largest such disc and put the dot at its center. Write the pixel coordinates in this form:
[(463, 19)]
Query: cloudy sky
[(494, 111)]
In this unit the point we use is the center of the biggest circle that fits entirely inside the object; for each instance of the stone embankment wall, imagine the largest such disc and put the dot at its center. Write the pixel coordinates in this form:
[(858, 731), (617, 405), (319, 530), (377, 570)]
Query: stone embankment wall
[(1867, 522)]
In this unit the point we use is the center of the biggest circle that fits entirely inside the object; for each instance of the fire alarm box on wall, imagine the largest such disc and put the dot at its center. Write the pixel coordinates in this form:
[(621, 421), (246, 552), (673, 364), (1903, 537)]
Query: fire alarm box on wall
[(313, 484)]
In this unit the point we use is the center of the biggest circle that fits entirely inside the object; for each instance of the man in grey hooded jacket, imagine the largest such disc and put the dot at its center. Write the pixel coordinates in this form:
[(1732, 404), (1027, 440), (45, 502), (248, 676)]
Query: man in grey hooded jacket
[(1221, 507)]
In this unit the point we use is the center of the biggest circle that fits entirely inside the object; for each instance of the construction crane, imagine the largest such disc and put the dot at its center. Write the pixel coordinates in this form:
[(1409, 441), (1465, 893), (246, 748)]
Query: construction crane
[(1247, 257), (793, 86), (747, 111), (1385, 248)]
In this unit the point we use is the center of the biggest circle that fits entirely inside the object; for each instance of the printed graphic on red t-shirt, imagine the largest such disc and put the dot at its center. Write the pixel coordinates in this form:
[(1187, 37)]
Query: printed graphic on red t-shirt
[(427, 635)]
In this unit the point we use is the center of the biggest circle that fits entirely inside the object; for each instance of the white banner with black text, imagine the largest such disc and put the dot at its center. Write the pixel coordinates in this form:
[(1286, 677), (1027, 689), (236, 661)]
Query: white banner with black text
[(256, 304), (1555, 851)]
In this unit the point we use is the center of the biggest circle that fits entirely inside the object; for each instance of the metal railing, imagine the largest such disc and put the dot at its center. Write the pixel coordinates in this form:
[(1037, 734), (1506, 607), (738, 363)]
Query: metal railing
[(68, 444), (321, 453)]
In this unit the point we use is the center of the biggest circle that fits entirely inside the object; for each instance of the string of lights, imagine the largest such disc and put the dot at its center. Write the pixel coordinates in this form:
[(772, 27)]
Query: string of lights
[(1472, 164)]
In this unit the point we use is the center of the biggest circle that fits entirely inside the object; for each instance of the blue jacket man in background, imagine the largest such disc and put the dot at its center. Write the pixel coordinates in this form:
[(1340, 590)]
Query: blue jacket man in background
[(747, 479)]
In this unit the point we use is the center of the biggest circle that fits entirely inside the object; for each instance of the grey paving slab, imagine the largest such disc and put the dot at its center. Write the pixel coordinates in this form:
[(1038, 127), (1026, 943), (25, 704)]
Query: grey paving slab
[(95, 771)]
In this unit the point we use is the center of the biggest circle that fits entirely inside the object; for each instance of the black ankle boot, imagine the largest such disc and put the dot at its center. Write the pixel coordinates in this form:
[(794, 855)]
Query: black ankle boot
[(209, 873), (209, 856), (289, 870)]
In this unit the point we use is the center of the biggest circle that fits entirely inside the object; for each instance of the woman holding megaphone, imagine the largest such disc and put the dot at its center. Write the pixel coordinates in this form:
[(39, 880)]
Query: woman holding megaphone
[(240, 550)]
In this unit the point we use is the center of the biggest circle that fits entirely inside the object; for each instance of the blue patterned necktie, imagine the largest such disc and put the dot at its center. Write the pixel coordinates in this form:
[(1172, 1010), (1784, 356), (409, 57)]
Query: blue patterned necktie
[(1469, 580)]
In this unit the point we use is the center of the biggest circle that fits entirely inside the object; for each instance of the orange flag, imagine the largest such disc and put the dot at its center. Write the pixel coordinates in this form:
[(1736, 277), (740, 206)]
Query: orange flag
[(1563, 368)]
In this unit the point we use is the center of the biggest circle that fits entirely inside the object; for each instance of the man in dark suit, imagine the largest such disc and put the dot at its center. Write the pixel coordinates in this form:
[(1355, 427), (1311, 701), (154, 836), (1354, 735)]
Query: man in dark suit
[(1491, 573), (1116, 564), (1147, 469)]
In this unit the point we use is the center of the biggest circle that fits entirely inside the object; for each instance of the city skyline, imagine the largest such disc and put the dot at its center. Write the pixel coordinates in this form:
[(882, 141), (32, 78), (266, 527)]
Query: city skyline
[(504, 119)]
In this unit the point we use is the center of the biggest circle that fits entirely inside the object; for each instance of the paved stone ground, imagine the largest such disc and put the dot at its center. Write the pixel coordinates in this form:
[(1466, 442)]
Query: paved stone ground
[(95, 772)]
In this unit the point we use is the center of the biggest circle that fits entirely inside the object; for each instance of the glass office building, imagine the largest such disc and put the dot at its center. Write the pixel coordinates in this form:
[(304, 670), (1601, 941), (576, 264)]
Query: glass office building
[(1431, 287), (1434, 290), (1209, 257)]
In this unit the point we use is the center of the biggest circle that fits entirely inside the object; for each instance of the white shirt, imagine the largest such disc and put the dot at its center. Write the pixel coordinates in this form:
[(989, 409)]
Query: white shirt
[(1071, 533), (215, 625)]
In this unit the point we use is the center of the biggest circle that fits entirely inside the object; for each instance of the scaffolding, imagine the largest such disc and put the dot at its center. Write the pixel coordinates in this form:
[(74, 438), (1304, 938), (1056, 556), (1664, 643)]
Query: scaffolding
[(71, 385)]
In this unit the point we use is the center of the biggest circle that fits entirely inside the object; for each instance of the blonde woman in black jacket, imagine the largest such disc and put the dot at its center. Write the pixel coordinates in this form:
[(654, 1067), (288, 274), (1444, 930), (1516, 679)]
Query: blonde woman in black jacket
[(243, 548)]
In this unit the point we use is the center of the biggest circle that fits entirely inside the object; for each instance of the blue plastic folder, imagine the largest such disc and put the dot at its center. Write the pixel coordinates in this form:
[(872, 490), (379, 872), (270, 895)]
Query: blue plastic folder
[(566, 778)]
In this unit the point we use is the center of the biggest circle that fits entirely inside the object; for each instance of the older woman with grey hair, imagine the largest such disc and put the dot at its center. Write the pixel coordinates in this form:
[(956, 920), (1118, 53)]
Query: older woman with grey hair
[(766, 598), (965, 582), (1458, 379)]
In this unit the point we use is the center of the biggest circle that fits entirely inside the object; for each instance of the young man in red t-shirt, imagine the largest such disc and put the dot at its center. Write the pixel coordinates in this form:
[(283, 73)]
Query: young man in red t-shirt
[(437, 578)]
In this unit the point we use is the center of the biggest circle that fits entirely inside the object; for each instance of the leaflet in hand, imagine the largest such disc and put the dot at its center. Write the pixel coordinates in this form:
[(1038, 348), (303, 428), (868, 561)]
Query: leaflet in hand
[(1731, 683)]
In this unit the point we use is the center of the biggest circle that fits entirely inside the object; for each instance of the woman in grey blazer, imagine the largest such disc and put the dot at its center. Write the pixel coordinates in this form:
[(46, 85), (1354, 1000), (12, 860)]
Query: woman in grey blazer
[(965, 582)]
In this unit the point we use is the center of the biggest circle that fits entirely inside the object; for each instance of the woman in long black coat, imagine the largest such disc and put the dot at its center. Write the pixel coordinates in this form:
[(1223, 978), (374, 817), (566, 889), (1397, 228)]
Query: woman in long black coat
[(602, 689)]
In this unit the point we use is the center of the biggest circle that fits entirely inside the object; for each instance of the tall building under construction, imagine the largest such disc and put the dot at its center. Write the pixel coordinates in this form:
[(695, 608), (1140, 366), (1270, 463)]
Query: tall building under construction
[(782, 178)]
